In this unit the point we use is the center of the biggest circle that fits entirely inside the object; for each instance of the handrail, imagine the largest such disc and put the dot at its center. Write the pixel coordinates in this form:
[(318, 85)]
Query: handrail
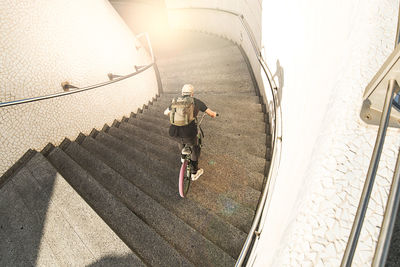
[(392, 88), (91, 87), (388, 222), (256, 228), (249, 32)]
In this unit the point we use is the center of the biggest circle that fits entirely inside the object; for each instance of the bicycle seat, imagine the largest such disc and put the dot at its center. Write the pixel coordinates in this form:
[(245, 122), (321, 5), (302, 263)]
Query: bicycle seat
[(186, 150)]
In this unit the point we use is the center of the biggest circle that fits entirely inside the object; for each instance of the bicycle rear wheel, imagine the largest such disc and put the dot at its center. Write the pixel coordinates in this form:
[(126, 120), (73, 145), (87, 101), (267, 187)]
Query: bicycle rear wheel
[(184, 179)]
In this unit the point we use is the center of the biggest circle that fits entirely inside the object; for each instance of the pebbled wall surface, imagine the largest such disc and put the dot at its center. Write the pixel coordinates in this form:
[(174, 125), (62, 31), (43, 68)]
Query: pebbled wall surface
[(338, 47), (45, 43)]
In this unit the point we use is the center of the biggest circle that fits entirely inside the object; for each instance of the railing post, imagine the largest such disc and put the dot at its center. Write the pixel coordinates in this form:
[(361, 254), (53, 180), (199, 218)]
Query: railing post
[(369, 182), (382, 248)]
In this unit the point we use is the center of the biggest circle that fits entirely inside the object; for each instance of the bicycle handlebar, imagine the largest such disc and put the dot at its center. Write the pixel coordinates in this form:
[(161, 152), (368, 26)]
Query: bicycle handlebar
[(202, 117)]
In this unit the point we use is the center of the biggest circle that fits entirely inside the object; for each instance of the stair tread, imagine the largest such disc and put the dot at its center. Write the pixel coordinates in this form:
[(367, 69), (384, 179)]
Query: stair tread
[(243, 100), (145, 241), (214, 73), (223, 107), (213, 228), (215, 55), (72, 228), (21, 232), (240, 217), (256, 117), (185, 239), (217, 143), (164, 142), (231, 187), (256, 139), (219, 124)]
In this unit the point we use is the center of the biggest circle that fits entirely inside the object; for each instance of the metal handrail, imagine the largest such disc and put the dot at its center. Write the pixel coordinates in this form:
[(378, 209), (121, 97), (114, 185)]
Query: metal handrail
[(347, 259), (91, 87), (382, 248), (249, 32), (256, 228)]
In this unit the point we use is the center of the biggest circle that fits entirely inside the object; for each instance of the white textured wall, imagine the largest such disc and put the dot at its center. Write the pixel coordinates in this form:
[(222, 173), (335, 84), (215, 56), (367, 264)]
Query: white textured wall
[(44, 43), (145, 16), (329, 51)]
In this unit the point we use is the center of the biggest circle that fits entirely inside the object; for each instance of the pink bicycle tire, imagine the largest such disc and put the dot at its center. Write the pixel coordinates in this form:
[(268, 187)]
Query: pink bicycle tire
[(181, 178)]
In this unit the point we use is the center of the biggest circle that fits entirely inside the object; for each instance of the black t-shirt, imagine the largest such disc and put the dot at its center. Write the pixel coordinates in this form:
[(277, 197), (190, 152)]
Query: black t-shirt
[(190, 130)]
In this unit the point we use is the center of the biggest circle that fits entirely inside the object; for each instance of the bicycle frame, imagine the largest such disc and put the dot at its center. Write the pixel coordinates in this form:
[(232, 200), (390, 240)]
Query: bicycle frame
[(185, 171)]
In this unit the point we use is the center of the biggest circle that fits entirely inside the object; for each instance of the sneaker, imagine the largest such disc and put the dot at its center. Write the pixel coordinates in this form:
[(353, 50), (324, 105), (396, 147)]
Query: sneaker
[(196, 175)]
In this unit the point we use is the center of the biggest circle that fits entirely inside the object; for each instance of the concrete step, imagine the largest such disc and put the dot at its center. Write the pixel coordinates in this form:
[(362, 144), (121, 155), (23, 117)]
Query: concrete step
[(181, 236), (258, 138), (151, 150), (239, 118), (237, 101), (188, 67), (228, 54), (142, 160), (168, 144), (242, 194), (218, 124), (219, 86), (252, 179), (183, 42), (98, 237), (221, 233), (75, 233), (215, 73), (152, 248), (216, 80), (240, 111), (21, 233), (216, 99), (158, 139), (240, 216), (216, 143)]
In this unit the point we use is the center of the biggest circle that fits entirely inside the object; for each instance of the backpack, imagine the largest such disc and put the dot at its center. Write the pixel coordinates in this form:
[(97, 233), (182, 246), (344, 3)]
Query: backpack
[(182, 109)]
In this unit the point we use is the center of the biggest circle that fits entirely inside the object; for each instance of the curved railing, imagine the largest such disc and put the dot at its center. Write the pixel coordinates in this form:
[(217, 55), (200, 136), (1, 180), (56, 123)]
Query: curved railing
[(276, 112), (91, 87)]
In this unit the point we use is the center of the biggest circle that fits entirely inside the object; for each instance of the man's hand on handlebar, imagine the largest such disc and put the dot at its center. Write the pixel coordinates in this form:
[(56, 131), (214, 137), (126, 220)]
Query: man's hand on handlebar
[(211, 113)]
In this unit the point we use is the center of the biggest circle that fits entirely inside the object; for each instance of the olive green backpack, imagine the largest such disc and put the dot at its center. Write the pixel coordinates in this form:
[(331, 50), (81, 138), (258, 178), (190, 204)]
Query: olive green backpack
[(182, 111)]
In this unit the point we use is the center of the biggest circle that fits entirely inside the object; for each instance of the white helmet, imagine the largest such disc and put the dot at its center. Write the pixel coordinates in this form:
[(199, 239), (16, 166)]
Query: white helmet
[(187, 89)]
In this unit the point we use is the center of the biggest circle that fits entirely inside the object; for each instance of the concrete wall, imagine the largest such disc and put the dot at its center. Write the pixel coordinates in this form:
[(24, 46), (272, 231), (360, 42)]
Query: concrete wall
[(322, 55), (46, 43), (328, 52), (144, 16)]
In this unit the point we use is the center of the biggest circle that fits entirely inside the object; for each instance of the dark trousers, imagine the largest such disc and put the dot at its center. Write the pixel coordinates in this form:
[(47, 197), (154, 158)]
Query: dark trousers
[(192, 142)]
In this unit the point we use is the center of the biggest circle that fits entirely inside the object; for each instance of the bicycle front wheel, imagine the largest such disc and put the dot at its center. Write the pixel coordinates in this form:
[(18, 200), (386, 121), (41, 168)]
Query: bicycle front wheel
[(184, 179)]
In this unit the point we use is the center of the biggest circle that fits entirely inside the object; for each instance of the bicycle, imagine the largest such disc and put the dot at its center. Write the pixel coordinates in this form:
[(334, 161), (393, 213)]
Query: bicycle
[(185, 173)]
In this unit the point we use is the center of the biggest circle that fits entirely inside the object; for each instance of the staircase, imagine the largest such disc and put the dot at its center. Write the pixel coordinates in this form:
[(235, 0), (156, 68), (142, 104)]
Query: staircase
[(111, 198)]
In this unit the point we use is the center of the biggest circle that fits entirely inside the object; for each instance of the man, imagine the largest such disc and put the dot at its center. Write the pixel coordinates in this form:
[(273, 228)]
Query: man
[(187, 134)]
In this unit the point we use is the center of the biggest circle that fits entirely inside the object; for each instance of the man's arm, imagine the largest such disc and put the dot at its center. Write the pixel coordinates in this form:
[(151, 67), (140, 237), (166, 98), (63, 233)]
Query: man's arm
[(211, 113), (203, 107)]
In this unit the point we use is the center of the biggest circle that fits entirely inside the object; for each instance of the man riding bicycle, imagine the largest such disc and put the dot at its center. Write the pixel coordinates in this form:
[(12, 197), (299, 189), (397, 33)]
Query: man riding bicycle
[(183, 113)]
